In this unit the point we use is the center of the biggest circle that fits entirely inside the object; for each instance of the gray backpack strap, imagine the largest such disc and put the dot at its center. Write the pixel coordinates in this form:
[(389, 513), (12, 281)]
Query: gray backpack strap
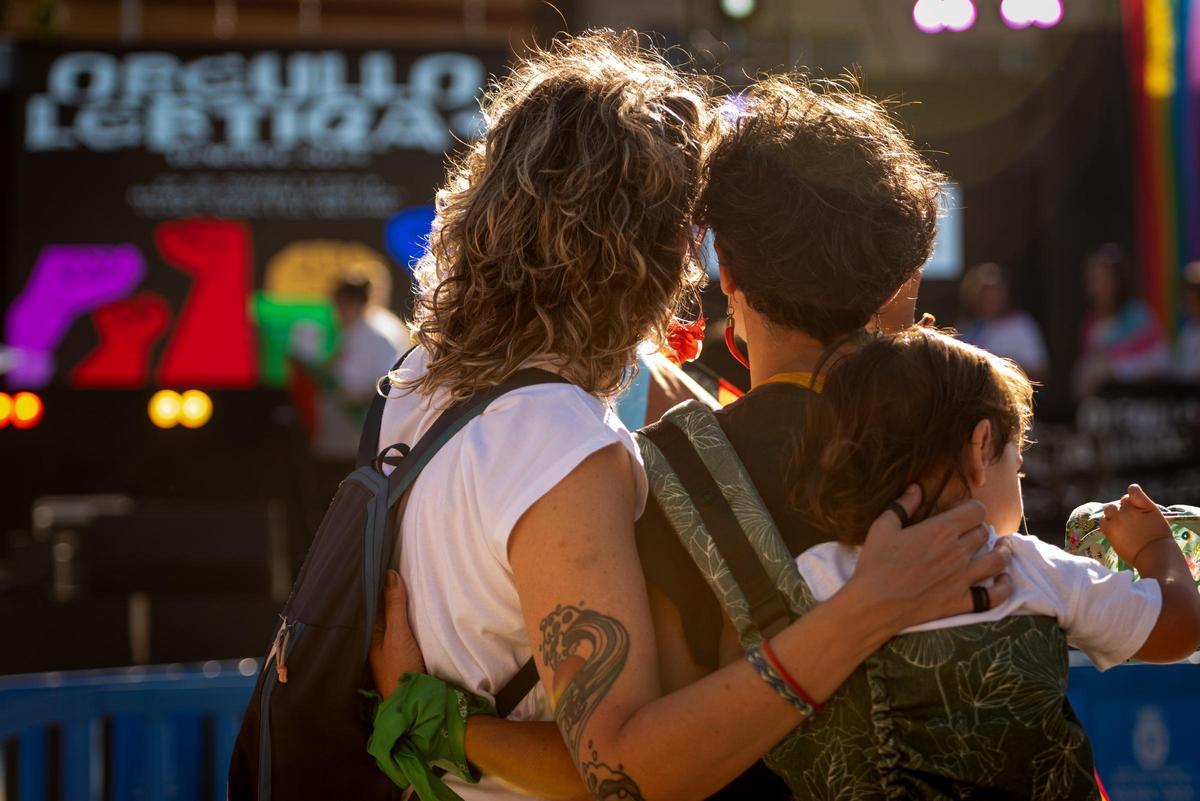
[(689, 508)]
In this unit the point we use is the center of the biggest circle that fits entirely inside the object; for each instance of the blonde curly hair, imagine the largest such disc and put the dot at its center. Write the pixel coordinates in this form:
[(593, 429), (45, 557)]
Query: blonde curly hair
[(563, 233)]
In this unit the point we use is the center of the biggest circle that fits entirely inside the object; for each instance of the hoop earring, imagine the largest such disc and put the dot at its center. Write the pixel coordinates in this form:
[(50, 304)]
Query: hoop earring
[(731, 343)]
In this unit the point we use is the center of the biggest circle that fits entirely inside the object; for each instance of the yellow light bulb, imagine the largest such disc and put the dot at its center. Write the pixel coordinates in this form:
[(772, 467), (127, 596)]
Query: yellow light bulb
[(26, 410), (164, 408), (6, 409), (196, 409)]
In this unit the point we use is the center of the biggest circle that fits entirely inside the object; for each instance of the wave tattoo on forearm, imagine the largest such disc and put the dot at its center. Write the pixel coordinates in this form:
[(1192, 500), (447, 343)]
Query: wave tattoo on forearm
[(586, 651)]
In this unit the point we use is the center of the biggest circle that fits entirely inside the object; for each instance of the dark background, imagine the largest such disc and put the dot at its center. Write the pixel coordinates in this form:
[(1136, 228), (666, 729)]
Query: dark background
[(97, 441), (1046, 176)]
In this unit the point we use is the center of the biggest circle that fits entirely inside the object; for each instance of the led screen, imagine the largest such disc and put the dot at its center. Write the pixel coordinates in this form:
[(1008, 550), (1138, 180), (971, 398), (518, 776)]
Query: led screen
[(175, 212)]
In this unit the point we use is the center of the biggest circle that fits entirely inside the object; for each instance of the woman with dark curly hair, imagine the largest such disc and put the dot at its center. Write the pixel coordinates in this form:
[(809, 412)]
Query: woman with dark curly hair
[(563, 241)]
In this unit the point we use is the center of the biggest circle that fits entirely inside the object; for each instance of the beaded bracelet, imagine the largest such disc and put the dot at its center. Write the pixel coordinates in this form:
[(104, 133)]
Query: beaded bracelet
[(765, 670), (769, 652)]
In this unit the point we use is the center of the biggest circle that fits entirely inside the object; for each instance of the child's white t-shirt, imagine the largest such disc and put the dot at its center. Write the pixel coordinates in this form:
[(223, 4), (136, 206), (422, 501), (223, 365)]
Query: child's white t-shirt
[(453, 542), (1106, 614)]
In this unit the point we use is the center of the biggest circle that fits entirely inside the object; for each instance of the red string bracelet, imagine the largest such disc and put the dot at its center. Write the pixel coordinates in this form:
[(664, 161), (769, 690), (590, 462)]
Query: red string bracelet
[(796, 688)]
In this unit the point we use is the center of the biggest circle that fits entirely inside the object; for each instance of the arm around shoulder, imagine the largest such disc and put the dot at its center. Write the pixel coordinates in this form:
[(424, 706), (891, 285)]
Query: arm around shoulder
[(583, 597)]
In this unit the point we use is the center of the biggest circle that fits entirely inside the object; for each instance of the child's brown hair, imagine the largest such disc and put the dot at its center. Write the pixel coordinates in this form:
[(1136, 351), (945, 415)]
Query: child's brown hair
[(899, 411)]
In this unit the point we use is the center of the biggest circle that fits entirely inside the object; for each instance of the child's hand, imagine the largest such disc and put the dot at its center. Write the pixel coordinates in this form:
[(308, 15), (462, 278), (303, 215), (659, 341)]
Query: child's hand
[(1132, 523)]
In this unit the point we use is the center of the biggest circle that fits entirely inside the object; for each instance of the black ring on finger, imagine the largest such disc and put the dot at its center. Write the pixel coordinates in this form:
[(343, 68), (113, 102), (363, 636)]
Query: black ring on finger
[(980, 599), (900, 513)]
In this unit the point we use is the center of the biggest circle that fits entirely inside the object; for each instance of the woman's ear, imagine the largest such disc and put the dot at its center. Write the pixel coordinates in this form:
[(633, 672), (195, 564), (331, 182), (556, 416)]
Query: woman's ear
[(901, 308), (727, 284), (977, 453)]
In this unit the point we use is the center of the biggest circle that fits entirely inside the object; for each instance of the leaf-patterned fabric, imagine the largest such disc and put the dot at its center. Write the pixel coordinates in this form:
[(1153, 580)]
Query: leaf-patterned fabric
[(975, 712)]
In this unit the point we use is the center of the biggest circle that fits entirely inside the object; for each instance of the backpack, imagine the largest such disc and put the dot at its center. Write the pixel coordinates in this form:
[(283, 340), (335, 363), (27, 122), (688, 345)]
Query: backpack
[(304, 733), (977, 710)]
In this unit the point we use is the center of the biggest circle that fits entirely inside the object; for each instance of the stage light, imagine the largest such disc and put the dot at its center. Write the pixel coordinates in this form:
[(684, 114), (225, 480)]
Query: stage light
[(6, 408), (1050, 13), (1016, 13), (195, 409), (934, 16), (1023, 13), (960, 14), (164, 408), (738, 9), (26, 411), (927, 16)]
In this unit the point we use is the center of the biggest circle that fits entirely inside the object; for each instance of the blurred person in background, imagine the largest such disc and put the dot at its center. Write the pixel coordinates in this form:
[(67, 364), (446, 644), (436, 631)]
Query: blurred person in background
[(1121, 341), (338, 390), (1185, 360), (990, 322), (370, 340)]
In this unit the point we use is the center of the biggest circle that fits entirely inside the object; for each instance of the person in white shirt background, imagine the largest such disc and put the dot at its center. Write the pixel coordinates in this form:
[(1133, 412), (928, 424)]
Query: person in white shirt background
[(337, 389), (991, 323), (370, 340)]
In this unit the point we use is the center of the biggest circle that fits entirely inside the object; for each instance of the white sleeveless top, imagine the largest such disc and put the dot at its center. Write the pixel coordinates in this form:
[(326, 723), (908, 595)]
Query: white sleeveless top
[(453, 541)]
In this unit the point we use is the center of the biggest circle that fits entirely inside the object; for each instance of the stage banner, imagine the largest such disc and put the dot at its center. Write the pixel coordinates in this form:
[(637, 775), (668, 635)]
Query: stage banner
[(177, 213)]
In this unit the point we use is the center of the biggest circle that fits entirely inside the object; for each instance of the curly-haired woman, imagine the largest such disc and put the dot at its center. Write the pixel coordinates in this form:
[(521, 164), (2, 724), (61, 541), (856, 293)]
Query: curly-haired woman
[(563, 241)]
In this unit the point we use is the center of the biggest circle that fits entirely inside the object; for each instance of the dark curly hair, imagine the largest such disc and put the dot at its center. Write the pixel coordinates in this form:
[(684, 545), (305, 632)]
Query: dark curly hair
[(899, 411), (821, 206)]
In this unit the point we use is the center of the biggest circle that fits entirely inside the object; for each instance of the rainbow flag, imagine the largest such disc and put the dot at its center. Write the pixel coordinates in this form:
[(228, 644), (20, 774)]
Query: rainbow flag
[(1163, 44)]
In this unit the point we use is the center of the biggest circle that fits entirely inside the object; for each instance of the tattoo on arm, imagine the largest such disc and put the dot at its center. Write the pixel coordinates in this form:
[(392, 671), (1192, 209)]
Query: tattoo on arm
[(586, 651)]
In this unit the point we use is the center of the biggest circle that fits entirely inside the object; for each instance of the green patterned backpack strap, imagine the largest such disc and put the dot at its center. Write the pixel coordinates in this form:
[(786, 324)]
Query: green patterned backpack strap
[(722, 461), (706, 494)]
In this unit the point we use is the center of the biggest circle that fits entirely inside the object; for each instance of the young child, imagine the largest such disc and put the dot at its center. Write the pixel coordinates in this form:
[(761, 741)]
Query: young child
[(976, 703)]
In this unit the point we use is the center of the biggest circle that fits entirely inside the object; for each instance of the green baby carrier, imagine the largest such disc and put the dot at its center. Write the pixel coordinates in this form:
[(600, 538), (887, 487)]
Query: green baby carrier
[(969, 712)]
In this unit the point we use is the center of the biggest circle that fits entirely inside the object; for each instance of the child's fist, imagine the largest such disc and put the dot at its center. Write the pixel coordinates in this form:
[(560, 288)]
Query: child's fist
[(1132, 523)]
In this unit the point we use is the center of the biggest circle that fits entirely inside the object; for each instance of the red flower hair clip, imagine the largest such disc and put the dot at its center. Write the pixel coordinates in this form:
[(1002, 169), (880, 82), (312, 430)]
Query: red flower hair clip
[(684, 340)]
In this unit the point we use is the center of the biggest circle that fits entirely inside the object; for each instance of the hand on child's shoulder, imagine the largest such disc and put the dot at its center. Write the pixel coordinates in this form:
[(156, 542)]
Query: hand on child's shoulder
[(1132, 522)]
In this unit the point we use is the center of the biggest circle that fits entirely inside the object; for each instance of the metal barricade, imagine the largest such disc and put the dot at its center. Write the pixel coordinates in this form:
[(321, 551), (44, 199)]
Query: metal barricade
[(1142, 722), (166, 733), (134, 734)]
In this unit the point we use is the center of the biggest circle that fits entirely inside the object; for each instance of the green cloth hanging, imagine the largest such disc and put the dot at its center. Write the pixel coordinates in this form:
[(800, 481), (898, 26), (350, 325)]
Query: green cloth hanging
[(422, 726)]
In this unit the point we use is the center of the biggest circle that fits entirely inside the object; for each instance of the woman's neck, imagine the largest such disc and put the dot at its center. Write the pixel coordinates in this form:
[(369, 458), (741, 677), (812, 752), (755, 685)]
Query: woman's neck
[(774, 349)]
